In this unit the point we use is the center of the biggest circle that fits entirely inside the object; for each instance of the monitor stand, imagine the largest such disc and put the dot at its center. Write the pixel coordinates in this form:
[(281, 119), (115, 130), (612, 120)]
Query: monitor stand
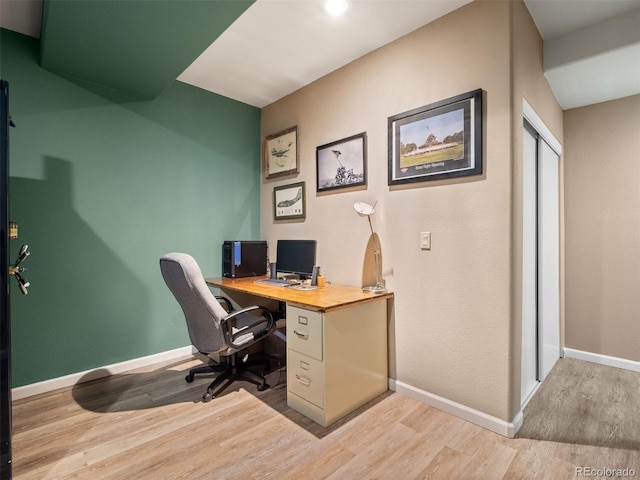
[(291, 276)]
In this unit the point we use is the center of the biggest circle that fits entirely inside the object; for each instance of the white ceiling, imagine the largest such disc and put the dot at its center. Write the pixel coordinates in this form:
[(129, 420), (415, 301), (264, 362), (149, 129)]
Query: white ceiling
[(591, 48), (279, 46), (559, 17)]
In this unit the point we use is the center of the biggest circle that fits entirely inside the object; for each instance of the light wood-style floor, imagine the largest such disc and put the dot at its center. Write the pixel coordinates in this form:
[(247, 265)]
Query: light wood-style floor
[(151, 424)]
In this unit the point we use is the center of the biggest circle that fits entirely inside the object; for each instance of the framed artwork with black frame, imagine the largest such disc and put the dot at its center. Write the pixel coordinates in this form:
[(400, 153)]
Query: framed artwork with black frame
[(289, 201), (342, 164), (437, 141), (281, 153)]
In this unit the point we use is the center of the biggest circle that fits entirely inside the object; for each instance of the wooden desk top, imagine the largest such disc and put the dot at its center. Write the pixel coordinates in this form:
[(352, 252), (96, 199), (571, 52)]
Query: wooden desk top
[(329, 297)]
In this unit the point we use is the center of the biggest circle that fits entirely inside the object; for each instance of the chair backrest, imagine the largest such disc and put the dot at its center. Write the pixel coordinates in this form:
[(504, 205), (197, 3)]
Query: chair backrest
[(201, 309)]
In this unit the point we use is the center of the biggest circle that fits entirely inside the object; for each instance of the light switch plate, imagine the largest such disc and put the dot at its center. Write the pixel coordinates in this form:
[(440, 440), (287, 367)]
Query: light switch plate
[(425, 240)]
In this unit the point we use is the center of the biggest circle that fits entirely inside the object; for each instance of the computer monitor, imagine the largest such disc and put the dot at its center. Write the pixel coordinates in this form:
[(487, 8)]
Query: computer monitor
[(296, 256)]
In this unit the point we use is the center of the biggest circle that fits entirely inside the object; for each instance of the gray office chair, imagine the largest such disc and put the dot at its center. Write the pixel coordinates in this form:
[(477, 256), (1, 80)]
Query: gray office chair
[(214, 330)]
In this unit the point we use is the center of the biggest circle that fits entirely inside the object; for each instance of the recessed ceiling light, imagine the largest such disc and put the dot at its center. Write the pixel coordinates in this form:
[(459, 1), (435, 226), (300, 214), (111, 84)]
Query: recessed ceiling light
[(336, 7)]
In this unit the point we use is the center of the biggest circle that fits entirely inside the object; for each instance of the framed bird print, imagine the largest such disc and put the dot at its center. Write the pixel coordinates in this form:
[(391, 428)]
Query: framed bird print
[(342, 164), (281, 153)]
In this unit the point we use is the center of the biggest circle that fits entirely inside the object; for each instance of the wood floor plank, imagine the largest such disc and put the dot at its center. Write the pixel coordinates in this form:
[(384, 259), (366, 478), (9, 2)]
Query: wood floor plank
[(156, 447), (150, 424), (558, 469), (491, 460), (447, 464), (532, 459), (370, 459)]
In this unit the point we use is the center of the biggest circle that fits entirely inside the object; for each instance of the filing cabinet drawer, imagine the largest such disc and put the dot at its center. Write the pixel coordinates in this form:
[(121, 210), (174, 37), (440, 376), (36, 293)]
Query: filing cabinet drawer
[(304, 331), (305, 377)]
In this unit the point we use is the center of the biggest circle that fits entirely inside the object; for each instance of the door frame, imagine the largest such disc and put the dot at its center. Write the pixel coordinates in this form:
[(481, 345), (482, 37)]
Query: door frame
[(5, 313), (542, 134), (536, 122)]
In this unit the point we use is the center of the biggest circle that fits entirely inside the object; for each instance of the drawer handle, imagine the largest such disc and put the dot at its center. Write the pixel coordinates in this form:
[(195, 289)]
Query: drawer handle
[(301, 334), (304, 380)]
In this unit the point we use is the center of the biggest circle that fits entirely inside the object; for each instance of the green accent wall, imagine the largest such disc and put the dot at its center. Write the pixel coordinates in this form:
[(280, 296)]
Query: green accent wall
[(134, 47), (100, 191)]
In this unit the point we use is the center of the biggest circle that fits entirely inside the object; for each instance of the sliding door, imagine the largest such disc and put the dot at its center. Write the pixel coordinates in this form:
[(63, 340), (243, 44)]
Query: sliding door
[(541, 260), (548, 260), (529, 369)]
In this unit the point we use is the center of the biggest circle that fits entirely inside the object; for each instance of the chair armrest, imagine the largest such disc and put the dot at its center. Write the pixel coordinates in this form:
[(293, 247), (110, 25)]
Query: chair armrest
[(227, 324), (227, 303)]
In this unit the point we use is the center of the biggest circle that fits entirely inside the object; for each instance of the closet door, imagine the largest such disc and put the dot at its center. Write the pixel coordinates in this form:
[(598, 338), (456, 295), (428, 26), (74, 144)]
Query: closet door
[(540, 261), (529, 373), (548, 259)]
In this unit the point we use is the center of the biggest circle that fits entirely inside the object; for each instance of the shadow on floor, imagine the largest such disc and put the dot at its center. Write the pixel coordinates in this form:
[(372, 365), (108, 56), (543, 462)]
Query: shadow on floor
[(164, 385)]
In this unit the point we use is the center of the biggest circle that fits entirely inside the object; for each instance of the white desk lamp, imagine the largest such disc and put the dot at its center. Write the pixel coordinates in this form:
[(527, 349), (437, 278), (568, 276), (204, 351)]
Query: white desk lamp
[(366, 210)]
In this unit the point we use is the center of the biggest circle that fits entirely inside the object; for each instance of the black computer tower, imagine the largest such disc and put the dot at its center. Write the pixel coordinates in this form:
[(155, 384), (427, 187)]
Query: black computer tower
[(244, 258)]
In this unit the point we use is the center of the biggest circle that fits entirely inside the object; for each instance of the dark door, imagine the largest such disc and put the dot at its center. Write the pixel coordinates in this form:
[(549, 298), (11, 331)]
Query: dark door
[(5, 320)]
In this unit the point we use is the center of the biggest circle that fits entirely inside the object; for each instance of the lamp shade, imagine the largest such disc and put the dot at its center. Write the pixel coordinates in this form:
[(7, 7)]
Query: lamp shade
[(364, 208)]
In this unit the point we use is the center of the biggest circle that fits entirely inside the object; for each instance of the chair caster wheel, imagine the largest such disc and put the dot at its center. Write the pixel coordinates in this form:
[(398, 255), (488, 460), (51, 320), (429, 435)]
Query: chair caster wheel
[(206, 397), (263, 387), (188, 378)]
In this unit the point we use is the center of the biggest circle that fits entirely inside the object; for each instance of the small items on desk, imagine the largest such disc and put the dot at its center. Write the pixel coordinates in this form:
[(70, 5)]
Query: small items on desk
[(316, 278), (293, 281), (280, 282), (304, 287), (328, 298)]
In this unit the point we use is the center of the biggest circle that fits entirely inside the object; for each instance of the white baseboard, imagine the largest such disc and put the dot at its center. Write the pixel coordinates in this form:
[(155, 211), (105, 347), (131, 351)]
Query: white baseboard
[(25, 391), (602, 359), (506, 429)]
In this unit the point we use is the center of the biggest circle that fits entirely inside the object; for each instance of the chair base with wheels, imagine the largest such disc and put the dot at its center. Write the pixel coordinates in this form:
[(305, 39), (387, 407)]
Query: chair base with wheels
[(233, 369)]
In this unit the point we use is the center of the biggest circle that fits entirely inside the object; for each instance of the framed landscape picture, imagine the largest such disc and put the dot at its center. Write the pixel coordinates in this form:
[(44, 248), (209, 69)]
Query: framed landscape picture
[(440, 140), (289, 201), (281, 153), (342, 164)]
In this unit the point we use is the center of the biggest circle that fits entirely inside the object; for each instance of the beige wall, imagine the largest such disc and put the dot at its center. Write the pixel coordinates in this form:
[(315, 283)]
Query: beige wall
[(602, 185), (528, 83), (450, 334)]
